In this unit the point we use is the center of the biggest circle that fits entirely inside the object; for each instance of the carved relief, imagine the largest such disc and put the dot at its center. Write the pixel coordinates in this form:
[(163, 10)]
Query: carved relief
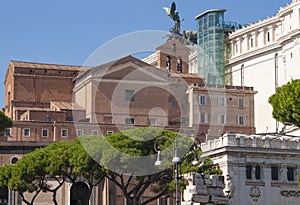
[(289, 194), (229, 186), (283, 59), (254, 193), (283, 172)]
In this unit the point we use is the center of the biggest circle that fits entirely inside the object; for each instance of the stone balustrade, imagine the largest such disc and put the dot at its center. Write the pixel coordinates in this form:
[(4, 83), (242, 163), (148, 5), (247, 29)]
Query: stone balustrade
[(258, 141)]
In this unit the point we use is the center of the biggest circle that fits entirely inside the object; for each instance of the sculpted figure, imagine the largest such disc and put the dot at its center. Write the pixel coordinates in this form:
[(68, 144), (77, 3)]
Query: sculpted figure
[(173, 14)]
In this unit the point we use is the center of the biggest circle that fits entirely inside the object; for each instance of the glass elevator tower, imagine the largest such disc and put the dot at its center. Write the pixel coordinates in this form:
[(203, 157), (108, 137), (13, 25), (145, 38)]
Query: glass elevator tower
[(210, 35)]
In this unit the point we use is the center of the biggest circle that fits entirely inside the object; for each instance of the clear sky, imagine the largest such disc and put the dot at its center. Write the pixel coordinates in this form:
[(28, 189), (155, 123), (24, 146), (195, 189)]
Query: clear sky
[(68, 31)]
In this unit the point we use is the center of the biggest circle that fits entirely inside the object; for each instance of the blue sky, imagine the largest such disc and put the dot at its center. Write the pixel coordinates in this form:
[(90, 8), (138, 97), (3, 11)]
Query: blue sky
[(68, 31)]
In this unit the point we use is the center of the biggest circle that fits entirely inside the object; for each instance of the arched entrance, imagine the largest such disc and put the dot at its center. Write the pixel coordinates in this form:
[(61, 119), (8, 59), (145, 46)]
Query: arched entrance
[(3, 195), (79, 193)]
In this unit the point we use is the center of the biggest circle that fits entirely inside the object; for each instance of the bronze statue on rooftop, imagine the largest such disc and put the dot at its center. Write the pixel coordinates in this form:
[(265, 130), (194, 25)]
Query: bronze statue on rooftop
[(175, 16)]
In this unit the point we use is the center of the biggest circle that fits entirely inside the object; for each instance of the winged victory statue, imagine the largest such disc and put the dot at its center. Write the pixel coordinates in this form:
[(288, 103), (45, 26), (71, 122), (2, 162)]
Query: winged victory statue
[(173, 14)]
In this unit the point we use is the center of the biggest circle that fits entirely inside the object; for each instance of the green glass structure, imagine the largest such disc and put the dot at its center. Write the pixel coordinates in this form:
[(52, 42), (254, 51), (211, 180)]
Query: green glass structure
[(210, 37)]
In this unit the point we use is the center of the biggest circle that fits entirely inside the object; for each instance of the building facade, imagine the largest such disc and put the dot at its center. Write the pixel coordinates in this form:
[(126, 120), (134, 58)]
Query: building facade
[(266, 55), (214, 109), (217, 109), (258, 169), (50, 103), (38, 87)]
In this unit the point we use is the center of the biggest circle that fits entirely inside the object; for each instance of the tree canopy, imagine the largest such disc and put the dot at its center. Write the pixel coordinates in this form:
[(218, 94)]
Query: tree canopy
[(46, 169), (5, 122), (129, 158), (126, 158), (286, 103)]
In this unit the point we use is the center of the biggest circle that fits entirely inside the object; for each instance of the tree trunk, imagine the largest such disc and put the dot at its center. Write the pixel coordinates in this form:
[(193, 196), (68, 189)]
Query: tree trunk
[(54, 191), (23, 199), (54, 198)]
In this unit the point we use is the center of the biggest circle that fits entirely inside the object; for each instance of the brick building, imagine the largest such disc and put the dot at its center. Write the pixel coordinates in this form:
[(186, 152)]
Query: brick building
[(123, 93), (213, 109), (49, 102)]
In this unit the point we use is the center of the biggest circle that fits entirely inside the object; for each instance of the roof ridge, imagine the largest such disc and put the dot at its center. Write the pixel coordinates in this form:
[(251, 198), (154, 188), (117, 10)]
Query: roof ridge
[(39, 63)]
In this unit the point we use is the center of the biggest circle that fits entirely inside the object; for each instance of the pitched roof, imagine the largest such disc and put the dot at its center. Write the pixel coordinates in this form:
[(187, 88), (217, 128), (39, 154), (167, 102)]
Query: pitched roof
[(112, 65), (168, 46), (22, 64), (43, 66)]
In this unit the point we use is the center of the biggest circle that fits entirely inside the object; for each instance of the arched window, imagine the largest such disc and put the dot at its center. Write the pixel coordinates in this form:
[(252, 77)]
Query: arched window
[(179, 65), (48, 119), (168, 63), (14, 160), (174, 47), (79, 193)]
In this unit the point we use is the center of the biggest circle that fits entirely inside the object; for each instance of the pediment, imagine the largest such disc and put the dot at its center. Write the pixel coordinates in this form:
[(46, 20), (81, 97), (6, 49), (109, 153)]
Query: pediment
[(169, 47), (132, 69)]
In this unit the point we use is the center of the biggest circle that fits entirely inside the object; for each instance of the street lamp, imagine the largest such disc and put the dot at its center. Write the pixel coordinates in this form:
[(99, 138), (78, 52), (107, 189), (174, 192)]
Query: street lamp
[(175, 160)]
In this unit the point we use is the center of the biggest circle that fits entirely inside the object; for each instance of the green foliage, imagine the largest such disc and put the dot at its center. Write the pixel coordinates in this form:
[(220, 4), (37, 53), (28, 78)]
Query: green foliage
[(28, 174), (286, 103), (58, 155), (5, 122), (181, 185), (119, 153), (57, 161), (5, 174), (209, 168), (113, 156), (298, 181), (84, 165)]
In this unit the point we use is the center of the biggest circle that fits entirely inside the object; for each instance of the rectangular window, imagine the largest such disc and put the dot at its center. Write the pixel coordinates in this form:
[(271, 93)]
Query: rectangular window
[(202, 100), (290, 173), (79, 133), (274, 173), (248, 171), (241, 120), (222, 119), (174, 104), (163, 201), (107, 119), (26, 132), (95, 132), (64, 133), (45, 133), (203, 118), (257, 172), (129, 95), (129, 121), (7, 132), (241, 103), (109, 132), (222, 101)]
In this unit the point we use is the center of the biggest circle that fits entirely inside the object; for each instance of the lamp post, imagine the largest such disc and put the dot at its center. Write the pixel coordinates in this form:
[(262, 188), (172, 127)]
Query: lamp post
[(175, 160)]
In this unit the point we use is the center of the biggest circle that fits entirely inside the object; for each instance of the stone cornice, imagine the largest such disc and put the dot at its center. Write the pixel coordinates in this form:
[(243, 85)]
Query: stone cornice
[(253, 144), (253, 53)]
